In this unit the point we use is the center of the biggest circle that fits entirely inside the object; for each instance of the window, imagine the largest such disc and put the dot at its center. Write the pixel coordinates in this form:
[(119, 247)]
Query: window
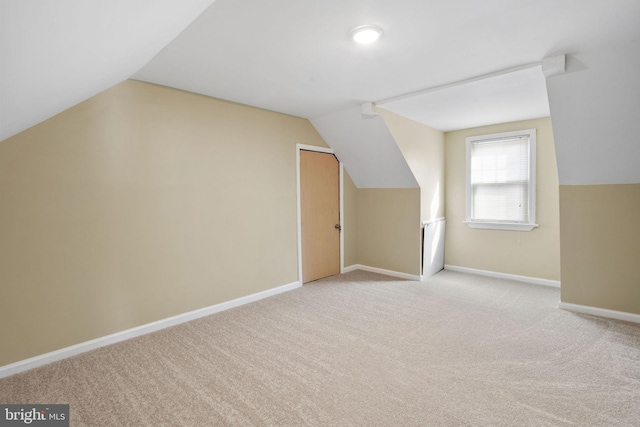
[(501, 181)]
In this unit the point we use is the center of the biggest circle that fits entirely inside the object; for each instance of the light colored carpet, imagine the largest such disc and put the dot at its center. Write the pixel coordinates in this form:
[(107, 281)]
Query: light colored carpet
[(361, 349)]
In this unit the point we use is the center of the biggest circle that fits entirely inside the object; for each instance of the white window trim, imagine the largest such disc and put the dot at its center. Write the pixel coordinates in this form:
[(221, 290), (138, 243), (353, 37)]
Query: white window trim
[(494, 225)]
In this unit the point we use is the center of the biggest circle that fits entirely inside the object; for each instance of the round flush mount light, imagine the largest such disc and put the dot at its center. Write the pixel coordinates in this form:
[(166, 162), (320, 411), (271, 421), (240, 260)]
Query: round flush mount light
[(365, 34)]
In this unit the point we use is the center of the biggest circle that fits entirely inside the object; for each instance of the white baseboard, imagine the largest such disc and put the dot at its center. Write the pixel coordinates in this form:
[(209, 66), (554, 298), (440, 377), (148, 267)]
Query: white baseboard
[(350, 269), (54, 356), (600, 312), (381, 271), (494, 274)]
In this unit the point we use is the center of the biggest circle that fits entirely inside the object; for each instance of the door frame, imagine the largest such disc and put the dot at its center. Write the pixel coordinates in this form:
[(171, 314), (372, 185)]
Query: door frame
[(315, 148)]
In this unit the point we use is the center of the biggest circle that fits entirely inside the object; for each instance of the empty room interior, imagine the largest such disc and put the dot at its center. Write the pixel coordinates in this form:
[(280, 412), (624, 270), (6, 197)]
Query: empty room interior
[(242, 212)]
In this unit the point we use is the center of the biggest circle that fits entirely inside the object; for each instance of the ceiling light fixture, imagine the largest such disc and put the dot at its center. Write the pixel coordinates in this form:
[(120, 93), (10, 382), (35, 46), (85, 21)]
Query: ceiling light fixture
[(365, 34)]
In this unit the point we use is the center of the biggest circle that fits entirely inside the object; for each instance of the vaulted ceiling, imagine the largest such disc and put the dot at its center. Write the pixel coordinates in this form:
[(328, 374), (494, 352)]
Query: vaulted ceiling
[(295, 56)]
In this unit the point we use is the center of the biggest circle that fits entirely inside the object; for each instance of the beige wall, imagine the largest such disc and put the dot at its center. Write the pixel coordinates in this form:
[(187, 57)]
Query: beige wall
[(600, 236), (533, 254), (142, 203), (350, 225), (423, 149), (389, 229)]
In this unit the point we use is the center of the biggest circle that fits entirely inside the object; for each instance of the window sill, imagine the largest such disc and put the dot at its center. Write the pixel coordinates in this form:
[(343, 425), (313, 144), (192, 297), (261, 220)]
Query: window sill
[(515, 226)]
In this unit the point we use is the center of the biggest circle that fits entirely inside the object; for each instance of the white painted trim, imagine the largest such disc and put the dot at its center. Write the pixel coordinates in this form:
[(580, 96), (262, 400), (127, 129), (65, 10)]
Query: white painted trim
[(457, 83), (299, 210), (314, 148), (351, 268), (432, 221), (54, 356), (554, 65), (406, 276), (514, 226), (600, 312), (496, 275), (299, 215), (341, 216)]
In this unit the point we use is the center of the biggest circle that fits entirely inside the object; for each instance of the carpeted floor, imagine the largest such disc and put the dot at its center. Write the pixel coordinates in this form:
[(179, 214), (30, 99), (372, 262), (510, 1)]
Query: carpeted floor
[(361, 349)]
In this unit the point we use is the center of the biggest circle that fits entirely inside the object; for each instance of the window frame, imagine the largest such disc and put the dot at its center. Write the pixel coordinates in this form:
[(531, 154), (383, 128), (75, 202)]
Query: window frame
[(503, 225)]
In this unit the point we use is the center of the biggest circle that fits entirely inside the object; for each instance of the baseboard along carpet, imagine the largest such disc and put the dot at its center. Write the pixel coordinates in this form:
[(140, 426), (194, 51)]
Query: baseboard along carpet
[(361, 349)]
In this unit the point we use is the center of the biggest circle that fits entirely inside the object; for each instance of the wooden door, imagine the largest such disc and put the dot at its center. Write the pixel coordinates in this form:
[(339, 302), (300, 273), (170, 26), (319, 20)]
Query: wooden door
[(320, 214)]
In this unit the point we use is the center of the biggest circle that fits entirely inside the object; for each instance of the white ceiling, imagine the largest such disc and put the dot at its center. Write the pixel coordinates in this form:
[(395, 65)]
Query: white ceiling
[(294, 56), (57, 53), (516, 95)]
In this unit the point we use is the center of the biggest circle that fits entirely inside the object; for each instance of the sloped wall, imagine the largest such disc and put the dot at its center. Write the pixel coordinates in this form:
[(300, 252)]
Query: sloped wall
[(366, 148), (397, 166), (424, 150)]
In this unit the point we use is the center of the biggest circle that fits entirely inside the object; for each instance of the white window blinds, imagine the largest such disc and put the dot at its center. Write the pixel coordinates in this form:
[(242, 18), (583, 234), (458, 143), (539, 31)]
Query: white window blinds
[(501, 181)]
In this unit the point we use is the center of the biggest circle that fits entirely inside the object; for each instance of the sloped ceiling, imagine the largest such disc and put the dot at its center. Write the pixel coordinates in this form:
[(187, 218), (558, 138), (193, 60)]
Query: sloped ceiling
[(366, 148), (596, 112), (55, 54), (295, 56)]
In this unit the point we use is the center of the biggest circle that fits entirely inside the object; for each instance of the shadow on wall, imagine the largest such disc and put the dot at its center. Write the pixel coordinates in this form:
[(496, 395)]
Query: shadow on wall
[(435, 202)]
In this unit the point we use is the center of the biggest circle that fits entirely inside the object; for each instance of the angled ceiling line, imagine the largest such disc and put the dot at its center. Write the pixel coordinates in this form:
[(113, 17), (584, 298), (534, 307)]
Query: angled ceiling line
[(458, 83)]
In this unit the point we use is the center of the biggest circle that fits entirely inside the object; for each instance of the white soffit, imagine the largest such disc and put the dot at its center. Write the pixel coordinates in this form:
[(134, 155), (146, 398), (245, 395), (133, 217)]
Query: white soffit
[(55, 54), (509, 97), (366, 148)]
